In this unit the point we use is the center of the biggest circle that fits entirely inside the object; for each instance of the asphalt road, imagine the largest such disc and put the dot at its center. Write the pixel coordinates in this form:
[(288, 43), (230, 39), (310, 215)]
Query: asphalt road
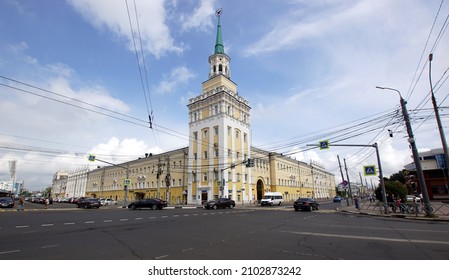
[(246, 233)]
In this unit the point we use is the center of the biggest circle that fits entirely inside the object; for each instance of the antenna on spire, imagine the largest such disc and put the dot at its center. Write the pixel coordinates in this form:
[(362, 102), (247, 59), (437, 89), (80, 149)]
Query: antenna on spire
[(218, 12)]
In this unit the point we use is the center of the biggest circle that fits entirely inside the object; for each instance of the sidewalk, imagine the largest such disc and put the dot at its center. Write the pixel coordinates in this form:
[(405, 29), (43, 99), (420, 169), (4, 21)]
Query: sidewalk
[(440, 211)]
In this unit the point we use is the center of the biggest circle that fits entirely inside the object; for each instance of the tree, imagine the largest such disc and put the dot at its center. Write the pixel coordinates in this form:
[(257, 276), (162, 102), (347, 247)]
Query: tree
[(392, 187), (399, 176)]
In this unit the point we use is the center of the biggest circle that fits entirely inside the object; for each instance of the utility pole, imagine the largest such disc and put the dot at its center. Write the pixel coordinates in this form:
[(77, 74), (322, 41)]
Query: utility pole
[(411, 140), (437, 116), (167, 181), (349, 182)]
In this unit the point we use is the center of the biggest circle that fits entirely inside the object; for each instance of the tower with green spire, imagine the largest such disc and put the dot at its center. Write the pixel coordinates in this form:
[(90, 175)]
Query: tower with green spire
[(219, 61), (219, 129)]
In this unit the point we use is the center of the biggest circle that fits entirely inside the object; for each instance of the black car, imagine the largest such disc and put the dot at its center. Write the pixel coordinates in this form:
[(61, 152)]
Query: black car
[(88, 203), (308, 204), (153, 203), (6, 202), (220, 203)]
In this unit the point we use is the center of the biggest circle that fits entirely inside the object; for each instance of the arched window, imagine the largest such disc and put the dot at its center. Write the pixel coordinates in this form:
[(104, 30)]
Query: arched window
[(220, 68)]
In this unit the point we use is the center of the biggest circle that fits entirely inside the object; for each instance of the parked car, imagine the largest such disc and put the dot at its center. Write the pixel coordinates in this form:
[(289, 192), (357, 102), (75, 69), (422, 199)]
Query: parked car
[(6, 202), (306, 204), (153, 203), (108, 201), (410, 198), (220, 203), (338, 198), (88, 203)]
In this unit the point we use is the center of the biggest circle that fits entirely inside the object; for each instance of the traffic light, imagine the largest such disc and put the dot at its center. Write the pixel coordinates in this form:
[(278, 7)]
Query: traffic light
[(250, 162)]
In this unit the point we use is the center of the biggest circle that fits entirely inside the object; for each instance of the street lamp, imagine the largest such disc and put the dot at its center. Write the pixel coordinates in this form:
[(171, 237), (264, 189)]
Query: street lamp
[(416, 159)]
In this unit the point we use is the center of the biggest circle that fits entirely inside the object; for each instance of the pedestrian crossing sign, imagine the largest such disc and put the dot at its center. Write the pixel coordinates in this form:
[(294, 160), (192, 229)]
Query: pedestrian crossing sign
[(369, 170), (324, 145)]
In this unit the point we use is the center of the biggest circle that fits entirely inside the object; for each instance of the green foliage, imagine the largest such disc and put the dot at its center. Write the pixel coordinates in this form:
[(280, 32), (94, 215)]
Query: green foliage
[(399, 176), (392, 187)]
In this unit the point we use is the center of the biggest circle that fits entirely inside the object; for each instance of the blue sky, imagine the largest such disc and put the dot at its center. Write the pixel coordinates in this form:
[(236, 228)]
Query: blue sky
[(308, 68)]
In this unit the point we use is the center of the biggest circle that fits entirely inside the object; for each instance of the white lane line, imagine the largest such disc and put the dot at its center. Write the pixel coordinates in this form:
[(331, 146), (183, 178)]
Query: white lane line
[(50, 246), (9, 252), (22, 226), (123, 220), (174, 216), (163, 217), (89, 222), (138, 219), (107, 221), (186, 215), (68, 224), (151, 217), (47, 225), (186, 250), (161, 257), (369, 238)]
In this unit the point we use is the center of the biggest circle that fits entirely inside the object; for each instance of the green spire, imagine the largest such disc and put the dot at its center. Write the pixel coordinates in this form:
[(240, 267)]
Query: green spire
[(219, 47)]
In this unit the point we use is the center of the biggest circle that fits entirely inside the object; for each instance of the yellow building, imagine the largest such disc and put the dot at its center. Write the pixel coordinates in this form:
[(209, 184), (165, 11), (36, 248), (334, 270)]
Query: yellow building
[(216, 162)]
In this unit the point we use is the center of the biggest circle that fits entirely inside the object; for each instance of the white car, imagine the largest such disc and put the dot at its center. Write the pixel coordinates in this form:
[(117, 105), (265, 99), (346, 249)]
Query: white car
[(410, 198), (108, 201)]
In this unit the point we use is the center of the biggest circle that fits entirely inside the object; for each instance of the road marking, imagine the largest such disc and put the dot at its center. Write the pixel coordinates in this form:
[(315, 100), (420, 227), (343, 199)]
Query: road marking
[(185, 250), (46, 225), (151, 217), (186, 215), (123, 220), (22, 226), (90, 222), (138, 218), (164, 217), (68, 224), (107, 221), (9, 252), (174, 216), (369, 237), (50, 246), (161, 257)]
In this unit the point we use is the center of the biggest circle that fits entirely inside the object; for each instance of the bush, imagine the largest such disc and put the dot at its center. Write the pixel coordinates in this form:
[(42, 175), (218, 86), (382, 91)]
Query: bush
[(392, 187)]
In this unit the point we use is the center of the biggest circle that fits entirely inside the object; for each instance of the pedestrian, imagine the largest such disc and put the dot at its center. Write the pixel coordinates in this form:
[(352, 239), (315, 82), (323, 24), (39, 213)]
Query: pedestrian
[(357, 202), (47, 201), (21, 203)]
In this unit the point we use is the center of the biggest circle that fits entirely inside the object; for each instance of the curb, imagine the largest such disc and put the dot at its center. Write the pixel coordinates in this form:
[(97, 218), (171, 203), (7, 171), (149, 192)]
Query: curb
[(400, 216)]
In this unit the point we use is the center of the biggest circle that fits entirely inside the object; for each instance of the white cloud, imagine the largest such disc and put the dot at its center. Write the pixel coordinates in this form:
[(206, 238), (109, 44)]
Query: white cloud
[(178, 76), (201, 16), (113, 16)]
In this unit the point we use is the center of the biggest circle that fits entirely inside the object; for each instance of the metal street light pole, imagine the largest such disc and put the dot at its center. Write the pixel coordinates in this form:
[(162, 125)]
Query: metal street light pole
[(437, 116), (416, 159)]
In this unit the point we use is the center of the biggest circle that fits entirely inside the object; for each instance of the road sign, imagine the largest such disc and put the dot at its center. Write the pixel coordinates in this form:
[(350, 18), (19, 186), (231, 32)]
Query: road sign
[(127, 182), (91, 157), (324, 145), (369, 170)]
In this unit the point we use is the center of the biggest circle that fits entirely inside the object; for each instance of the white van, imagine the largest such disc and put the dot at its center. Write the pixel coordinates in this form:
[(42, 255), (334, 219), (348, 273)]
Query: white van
[(272, 198)]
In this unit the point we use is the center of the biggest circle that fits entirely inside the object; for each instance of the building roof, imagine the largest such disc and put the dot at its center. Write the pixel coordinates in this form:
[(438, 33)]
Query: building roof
[(219, 47)]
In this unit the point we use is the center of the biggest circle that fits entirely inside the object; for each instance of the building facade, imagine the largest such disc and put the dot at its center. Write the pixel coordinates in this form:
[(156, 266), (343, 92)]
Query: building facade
[(216, 162)]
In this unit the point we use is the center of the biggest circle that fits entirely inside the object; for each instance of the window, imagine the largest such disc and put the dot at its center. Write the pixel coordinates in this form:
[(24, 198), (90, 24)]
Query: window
[(195, 117), (195, 135), (205, 134), (205, 177), (244, 137), (216, 130), (216, 152), (216, 110), (205, 155), (246, 177), (229, 153), (195, 156), (229, 176), (238, 155), (237, 134), (229, 130), (238, 177), (179, 182)]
